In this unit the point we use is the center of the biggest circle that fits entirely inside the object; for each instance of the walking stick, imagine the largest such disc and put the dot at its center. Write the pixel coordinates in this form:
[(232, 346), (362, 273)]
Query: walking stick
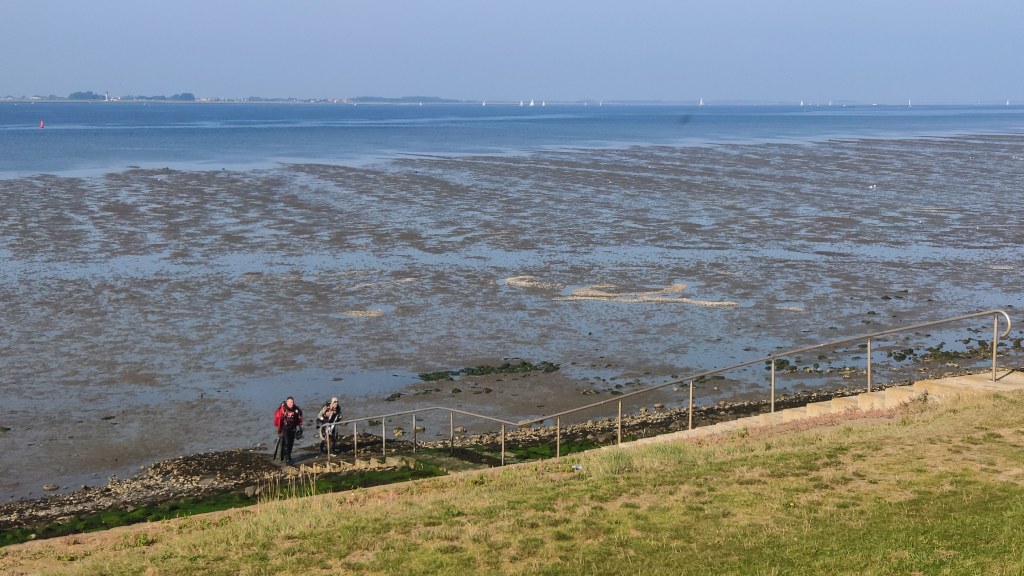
[(277, 446)]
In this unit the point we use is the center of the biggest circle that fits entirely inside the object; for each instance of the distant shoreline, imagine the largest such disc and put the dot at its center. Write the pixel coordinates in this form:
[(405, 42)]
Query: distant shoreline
[(502, 103)]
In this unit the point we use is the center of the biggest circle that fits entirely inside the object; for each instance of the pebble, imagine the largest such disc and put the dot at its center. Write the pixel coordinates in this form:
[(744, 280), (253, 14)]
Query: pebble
[(51, 487)]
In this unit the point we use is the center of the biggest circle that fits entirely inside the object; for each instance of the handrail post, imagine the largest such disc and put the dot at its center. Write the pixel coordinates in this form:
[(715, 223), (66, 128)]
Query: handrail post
[(619, 424), (772, 360), (502, 444), (995, 339), (327, 438), (355, 443), (451, 433), (558, 438), (869, 364), (384, 439), (413, 431), (690, 409)]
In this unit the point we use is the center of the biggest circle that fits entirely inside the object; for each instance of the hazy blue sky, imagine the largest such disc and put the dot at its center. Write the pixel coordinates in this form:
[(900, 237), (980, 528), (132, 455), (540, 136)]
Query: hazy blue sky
[(862, 50)]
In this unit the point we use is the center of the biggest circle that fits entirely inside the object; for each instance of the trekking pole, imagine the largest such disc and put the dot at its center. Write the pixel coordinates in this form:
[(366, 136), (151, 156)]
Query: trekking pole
[(277, 446)]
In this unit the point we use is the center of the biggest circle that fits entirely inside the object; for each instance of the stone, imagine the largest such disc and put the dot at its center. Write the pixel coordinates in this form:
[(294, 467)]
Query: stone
[(51, 487)]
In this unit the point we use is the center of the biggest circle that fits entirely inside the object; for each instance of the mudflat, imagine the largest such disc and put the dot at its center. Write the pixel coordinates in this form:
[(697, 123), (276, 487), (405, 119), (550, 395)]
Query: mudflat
[(155, 313)]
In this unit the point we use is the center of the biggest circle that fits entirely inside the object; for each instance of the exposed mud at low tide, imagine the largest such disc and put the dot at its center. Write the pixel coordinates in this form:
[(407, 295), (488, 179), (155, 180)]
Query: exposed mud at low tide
[(154, 313)]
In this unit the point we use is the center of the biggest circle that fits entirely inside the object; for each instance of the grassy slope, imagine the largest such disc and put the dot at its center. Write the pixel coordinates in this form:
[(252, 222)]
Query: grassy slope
[(929, 490)]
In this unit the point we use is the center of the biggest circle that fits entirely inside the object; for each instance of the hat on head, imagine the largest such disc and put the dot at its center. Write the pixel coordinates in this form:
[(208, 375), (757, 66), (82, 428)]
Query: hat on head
[(334, 399)]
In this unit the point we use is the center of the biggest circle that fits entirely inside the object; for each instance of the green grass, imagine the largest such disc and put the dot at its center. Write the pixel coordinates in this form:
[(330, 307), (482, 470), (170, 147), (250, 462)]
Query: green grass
[(932, 490)]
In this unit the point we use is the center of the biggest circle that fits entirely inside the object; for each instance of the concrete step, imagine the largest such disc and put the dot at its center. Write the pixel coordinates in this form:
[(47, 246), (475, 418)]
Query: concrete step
[(896, 396), (845, 403), (819, 409), (727, 426), (871, 401), (792, 414), (770, 418)]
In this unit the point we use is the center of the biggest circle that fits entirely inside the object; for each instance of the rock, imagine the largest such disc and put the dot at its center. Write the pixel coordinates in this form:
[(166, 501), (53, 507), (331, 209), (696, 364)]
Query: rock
[(252, 491), (51, 487)]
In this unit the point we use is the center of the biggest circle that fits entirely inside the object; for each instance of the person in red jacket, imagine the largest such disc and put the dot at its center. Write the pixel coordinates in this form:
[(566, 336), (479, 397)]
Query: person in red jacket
[(287, 419)]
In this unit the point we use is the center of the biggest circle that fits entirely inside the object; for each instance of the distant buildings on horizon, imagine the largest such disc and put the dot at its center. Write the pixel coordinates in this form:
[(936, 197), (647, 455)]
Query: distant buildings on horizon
[(89, 96)]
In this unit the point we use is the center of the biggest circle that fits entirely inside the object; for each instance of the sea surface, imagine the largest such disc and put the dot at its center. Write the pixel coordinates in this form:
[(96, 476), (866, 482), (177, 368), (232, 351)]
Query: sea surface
[(108, 136), (171, 271)]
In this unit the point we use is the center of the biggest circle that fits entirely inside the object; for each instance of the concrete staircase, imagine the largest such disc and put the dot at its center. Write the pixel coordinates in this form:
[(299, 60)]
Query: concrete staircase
[(934, 390)]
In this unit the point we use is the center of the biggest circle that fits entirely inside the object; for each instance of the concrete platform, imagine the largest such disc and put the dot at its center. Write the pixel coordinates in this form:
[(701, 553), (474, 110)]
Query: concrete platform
[(971, 384)]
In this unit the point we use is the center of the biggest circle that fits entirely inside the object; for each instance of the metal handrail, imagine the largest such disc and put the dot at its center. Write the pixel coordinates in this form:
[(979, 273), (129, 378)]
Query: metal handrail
[(791, 352), (619, 398)]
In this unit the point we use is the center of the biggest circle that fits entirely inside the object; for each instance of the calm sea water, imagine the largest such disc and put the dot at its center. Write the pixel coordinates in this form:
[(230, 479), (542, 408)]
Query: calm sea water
[(104, 137)]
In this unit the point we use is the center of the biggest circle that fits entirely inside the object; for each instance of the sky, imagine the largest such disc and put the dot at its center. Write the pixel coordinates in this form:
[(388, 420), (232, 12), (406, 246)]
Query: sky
[(877, 51)]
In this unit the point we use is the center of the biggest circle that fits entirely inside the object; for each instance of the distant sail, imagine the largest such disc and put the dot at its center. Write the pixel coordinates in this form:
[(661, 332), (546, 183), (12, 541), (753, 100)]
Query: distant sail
[(701, 103), (42, 124)]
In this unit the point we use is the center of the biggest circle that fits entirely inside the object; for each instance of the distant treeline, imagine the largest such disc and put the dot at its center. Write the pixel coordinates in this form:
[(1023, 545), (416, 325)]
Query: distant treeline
[(88, 95)]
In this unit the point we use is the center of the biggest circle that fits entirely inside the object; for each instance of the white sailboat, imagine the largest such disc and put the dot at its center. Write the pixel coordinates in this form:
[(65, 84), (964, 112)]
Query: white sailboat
[(520, 102), (531, 102), (701, 103)]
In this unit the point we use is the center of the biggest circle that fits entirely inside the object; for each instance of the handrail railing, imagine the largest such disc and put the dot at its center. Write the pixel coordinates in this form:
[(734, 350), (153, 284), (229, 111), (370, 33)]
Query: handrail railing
[(771, 359)]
